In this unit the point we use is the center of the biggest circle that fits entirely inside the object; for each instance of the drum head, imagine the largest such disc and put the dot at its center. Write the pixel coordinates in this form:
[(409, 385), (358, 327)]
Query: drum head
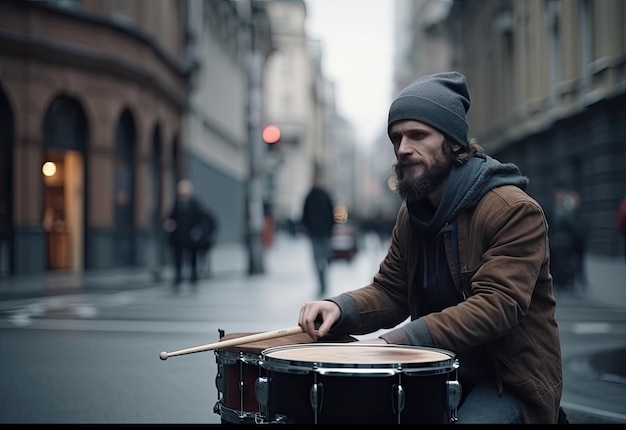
[(358, 356)]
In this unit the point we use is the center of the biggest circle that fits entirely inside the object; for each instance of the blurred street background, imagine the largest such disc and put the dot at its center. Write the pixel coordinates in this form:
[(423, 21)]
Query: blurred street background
[(86, 349), (106, 105)]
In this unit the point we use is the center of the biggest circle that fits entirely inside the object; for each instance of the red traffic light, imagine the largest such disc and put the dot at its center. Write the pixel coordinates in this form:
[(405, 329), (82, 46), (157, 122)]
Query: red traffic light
[(271, 134)]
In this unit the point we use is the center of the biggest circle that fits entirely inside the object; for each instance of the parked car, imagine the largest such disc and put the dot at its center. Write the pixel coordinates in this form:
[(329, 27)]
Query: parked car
[(344, 242)]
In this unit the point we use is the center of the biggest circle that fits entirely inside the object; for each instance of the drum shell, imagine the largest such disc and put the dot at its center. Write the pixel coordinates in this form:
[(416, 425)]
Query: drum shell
[(238, 369), (235, 378), (357, 393)]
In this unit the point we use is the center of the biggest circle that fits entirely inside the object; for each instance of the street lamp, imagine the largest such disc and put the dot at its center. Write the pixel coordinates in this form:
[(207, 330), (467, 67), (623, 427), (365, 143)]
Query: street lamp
[(254, 202)]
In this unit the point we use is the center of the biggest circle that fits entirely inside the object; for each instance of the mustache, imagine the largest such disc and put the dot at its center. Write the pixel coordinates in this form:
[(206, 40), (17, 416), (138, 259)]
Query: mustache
[(402, 164), (406, 163)]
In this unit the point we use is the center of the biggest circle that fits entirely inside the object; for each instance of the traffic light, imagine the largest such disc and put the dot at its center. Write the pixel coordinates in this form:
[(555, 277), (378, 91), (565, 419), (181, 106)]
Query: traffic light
[(271, 134)]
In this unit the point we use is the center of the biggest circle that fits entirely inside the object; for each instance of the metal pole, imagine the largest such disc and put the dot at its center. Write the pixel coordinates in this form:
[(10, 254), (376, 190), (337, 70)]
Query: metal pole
[(255, 184)]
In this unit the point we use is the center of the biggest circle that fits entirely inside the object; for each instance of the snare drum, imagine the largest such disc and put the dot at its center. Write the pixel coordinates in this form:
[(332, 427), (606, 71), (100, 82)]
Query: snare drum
[(237, 371), (358, 383)]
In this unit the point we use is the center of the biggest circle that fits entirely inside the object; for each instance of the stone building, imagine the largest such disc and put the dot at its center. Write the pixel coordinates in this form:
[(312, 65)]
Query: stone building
[(296, 101), (548, 85), (104, 105), (92, 94)]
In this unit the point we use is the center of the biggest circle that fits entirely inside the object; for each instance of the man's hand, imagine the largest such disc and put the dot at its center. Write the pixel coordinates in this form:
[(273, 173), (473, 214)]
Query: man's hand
[(316, 318)]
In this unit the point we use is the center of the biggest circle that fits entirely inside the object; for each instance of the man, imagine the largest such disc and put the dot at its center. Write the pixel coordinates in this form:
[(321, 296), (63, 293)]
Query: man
[(567, 233), (190, 229), (620, 220), (468, 265), (318, 219)]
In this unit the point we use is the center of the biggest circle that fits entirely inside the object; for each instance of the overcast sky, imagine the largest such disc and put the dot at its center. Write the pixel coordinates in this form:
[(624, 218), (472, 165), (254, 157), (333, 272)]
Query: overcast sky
[(356, 38)]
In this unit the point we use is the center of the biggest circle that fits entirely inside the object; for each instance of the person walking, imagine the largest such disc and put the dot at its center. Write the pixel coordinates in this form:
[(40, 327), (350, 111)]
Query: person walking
[(567, 238), (318, 219), (620, 221), (582, 238), (191, 229), (468, 265)]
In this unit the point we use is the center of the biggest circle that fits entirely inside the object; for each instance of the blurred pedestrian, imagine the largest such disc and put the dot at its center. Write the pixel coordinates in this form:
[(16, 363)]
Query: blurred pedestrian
[(567, 237), (269, 225), (205, 241), (581, 236), (4, 249), (191, 231), (318, 219), (5, 237), (620, 221), (468, 264)]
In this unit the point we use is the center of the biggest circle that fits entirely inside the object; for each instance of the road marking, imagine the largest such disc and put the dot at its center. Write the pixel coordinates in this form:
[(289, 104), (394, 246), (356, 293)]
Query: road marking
[(614, 379), (20, 320), (114, 325), (22, 313), (85, 311), (130, 326), (591, 328), (593, 411)]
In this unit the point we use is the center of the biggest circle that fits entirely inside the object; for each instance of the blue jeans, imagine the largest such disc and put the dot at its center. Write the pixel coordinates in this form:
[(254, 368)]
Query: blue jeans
[(181, 254), (484, 405), (321, 254)]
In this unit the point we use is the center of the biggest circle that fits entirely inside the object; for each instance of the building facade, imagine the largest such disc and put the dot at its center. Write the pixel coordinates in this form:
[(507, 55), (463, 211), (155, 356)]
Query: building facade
[(548, 85), (104, 105), (229, 44), (295, 90), (91, 130)]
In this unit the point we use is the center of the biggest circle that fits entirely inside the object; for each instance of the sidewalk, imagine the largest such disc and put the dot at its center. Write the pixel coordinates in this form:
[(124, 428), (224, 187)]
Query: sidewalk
[(226, 260)]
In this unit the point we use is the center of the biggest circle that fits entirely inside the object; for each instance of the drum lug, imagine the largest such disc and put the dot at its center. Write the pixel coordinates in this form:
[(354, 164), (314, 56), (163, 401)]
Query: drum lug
[(261, 390), (219, 380), (317, 397), (454, 397), (279, 419), (259, 418), (398, 399)]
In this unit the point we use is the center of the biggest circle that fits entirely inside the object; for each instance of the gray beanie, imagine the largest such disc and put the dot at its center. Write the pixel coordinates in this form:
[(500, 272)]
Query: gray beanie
[(440, 100)]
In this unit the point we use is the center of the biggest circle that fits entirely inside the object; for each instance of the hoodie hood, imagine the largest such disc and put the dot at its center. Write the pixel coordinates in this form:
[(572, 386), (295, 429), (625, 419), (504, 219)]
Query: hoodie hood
[(467, 184)]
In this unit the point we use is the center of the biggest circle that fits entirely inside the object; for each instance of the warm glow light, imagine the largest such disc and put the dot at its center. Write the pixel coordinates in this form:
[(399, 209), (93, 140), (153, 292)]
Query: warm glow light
[(271, 134), (49, 168), (340, 213)]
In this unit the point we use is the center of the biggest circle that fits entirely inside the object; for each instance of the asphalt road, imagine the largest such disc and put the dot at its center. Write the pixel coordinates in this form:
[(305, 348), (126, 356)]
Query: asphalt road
[(90, 353)]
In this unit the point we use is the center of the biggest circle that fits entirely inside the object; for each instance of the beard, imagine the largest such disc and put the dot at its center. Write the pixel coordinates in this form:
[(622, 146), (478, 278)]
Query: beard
[(412, 187)]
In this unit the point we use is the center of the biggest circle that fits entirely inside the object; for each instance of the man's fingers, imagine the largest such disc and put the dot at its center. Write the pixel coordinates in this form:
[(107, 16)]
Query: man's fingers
[(324, 328), (306, 321), (316, 319)]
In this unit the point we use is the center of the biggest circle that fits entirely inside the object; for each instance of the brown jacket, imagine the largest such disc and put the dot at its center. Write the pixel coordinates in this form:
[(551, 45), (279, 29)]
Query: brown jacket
[(509, 302)]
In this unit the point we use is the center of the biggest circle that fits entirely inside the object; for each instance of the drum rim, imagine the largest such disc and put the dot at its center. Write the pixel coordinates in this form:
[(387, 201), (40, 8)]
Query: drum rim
[(237, 354), (287, 365)]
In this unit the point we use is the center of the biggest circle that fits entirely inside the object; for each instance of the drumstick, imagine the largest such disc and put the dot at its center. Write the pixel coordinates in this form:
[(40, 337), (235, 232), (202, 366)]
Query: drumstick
[(236, 341)]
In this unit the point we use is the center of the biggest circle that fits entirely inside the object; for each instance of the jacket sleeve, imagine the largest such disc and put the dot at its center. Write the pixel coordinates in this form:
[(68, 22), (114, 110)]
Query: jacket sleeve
[(384, 302)]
